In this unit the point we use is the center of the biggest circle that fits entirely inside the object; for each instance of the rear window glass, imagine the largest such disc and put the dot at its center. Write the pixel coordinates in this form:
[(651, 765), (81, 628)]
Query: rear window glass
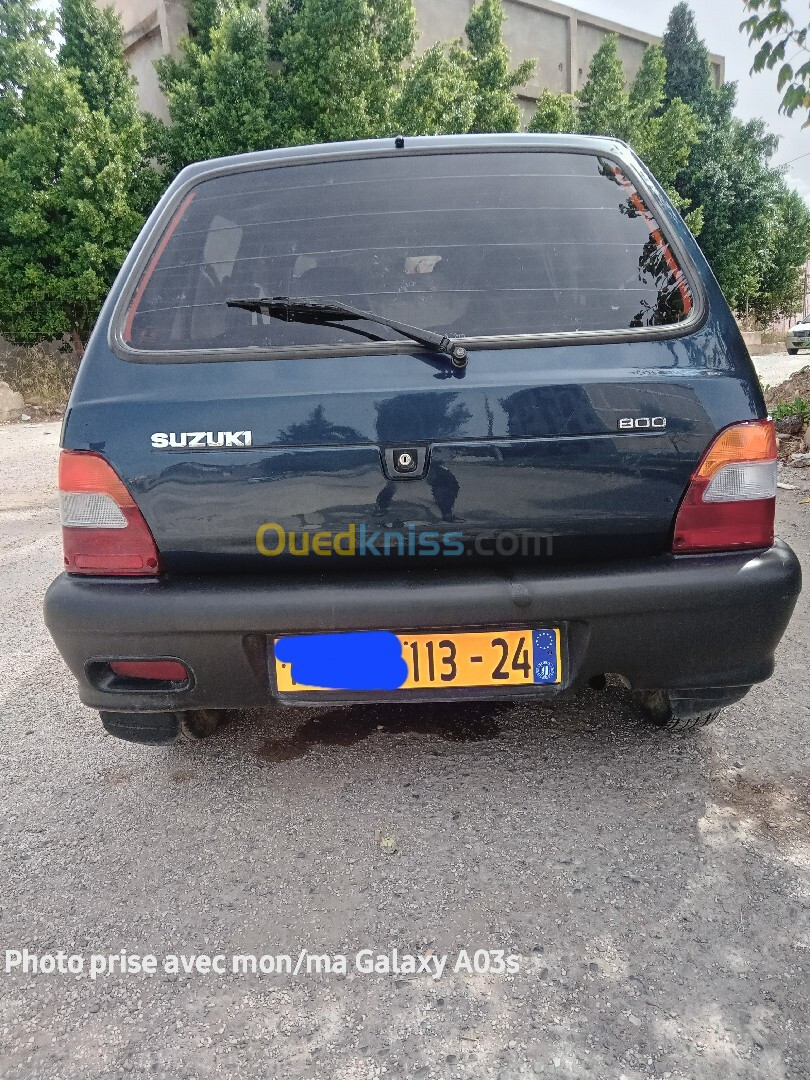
[(470, 244)]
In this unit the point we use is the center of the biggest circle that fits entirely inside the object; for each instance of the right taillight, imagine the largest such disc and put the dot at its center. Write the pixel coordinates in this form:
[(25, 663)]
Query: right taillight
[(731, 498), (103, 531)]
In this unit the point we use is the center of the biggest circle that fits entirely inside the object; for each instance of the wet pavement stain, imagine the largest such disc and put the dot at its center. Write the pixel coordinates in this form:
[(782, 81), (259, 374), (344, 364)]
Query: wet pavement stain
[(116, 777), (182, 776), (460, 722)]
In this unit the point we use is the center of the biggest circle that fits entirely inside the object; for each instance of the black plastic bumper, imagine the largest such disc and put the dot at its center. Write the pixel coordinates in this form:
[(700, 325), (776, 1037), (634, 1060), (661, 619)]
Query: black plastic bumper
[(666, 622)]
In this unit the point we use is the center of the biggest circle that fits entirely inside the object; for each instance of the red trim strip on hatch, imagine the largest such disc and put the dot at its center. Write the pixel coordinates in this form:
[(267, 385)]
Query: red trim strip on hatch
[(150, 269), (658, 237)]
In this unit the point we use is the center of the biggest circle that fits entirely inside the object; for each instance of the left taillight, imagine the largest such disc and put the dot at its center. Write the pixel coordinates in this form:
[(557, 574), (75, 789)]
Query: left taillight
[(103, 531)]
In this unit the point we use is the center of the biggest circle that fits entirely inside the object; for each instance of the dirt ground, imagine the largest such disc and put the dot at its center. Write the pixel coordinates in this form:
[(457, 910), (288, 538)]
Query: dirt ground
[(652, 889)]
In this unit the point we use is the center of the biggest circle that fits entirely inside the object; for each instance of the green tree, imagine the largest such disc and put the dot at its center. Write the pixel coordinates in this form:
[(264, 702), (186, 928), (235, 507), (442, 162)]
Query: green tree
[(74, 178), (604, 107), (486, 61), (781, 290), (689, 71), (311, 71), (647, 92), (555, 112), (66, 218), (745, 202), (93, 45), (26, 44), (203, 16), (728, 174), (437, 97), (219, 95), (662, 136), (777, 32), (26, 39), (93, 50), (323, 70), (341, 66)]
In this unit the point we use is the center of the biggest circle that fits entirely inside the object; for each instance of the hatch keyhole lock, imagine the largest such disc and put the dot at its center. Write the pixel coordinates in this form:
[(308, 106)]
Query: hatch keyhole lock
[(405, 462)]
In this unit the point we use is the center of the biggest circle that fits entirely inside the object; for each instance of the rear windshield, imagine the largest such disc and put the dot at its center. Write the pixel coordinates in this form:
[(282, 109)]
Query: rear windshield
[(470, 244)]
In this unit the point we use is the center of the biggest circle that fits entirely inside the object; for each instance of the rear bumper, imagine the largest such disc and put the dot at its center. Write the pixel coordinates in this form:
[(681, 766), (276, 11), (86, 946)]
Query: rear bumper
[(709, 621)]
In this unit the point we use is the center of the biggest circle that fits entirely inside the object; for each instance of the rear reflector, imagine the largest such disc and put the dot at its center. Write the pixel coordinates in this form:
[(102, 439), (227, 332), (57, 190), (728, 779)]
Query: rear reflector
[(103, 531), (160, 670), (731, 498)]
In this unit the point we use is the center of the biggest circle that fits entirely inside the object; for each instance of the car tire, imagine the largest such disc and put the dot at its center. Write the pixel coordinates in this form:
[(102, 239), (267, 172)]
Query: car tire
[(162, 729), (657, 704), (792, 352)]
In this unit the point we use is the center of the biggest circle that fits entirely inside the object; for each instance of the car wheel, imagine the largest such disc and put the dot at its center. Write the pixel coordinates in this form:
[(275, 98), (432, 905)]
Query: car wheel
[(658, 706), (200, 724), (792, 352)]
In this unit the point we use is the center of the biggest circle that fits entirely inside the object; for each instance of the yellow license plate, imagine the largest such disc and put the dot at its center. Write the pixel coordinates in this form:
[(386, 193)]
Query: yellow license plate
[(382, 660)]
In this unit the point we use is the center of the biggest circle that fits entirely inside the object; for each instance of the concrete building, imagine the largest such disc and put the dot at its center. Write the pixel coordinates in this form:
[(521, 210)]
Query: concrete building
[(561, 39), (152, 29)]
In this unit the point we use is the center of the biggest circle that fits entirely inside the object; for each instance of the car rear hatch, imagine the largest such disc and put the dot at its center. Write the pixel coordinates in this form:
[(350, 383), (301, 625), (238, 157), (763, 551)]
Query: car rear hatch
[(602, 361)]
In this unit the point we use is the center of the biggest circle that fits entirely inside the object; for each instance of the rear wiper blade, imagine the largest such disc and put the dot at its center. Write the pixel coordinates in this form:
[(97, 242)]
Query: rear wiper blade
[(307, 310)]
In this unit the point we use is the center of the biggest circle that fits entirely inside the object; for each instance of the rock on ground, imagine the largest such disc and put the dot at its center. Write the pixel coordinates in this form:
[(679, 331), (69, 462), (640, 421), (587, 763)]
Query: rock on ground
[(11, 403)]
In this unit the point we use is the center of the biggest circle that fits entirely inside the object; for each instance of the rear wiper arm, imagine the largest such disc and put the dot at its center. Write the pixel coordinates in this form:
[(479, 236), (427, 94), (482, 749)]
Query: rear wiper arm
[(303, 309)]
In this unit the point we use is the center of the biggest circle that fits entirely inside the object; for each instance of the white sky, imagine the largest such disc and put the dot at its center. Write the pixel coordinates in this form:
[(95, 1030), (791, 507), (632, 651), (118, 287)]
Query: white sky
[(718, 22)]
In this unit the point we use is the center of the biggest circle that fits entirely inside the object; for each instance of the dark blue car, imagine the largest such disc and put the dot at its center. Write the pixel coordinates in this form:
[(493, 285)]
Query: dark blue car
[(409, 420)]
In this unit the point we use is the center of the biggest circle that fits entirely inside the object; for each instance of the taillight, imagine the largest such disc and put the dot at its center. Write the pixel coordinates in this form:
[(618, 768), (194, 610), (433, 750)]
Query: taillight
[(731, 498), (103, 531)]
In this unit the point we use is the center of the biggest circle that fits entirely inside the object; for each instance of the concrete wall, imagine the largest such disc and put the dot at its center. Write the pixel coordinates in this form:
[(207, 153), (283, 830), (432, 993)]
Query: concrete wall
[(152, 29), (562, 40)]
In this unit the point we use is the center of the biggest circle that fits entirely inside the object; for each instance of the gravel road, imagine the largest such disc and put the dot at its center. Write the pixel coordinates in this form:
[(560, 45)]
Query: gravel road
[(654, 889), (776, 368)]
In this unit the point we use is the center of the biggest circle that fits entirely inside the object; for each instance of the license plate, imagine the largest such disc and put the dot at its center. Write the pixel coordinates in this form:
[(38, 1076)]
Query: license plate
[(382, 660)]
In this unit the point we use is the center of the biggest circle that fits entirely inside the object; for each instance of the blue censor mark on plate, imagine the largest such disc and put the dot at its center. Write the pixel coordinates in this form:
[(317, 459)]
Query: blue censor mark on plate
[(369, 660), (545, 656)]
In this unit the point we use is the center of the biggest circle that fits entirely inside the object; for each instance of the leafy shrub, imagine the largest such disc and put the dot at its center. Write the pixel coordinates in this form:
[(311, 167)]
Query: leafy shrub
[(798, 407)]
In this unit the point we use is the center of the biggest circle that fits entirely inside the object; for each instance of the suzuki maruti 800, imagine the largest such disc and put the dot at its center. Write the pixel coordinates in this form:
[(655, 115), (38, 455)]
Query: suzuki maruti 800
[(416, 419)]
